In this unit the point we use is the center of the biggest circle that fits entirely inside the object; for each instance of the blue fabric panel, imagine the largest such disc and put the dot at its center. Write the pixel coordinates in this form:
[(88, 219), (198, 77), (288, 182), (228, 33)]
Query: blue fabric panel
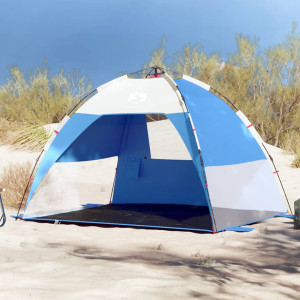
[(286, 215), (101, 140), (161, 182), (72, 129), (91, 205), (240, 229), (134, 147), (158, 181), (133, 168), (135, 142), (224, 139), (183, 125)]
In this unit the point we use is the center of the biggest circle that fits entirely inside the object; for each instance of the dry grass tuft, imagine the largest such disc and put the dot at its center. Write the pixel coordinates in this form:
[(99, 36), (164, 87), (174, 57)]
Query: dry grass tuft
[(30, 137), (14, 179), (203, 261), (23, 137), (292, 144), (6, 127), (296, 161)]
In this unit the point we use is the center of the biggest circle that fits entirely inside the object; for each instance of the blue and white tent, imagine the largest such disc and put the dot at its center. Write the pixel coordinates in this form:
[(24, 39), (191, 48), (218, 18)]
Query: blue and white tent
[(226, 182)]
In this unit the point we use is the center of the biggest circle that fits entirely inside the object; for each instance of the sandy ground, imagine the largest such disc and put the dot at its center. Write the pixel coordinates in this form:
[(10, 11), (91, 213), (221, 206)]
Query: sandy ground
[(55, 261)]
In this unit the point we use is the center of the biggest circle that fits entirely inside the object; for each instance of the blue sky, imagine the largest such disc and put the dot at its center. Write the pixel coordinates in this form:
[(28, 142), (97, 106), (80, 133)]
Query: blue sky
[(103, 39)]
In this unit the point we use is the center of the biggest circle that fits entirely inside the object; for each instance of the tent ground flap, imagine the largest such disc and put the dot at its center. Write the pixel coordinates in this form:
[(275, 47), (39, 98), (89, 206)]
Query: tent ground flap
[(145, 215)]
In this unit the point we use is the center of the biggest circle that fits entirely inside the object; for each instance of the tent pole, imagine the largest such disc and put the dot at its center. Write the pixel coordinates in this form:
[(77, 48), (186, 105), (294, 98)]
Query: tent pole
[(271, 158), (80, 101), (113, 187), (227, 99), (28, 182), (124, 137)]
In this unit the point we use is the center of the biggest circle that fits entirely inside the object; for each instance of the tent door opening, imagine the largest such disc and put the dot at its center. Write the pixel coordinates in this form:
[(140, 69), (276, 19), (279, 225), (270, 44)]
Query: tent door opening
[(148, 192)]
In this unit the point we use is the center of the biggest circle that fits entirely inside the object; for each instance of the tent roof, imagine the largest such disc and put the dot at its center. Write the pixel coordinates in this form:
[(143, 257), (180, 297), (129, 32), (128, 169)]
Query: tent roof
[(126, 95)]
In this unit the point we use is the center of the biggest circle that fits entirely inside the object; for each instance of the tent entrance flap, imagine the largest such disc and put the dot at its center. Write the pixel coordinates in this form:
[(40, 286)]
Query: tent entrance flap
[(142, 215)]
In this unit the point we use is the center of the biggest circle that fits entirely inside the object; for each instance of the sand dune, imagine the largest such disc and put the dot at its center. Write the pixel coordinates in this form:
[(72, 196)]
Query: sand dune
[(48, 261)]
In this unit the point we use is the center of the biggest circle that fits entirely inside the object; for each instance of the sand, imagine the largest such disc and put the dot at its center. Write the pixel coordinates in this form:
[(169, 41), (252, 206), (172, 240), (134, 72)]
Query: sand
[(55, 261)]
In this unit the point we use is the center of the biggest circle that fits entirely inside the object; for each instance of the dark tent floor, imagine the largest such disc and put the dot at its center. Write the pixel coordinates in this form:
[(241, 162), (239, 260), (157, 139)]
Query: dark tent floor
[(143, 215)]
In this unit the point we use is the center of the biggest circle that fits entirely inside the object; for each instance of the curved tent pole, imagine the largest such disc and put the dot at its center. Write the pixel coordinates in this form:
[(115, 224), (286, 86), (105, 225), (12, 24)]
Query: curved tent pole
[(38, 158), (276, 171), (28, 183), (80, 101), (227, 99), (155, 70)]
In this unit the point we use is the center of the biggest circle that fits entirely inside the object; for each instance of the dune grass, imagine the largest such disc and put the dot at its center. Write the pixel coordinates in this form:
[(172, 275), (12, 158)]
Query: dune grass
[(291, 143), (14, 179), (38, 98), (203, 260), (30, 101), (23, 136), (31, 137), (296, 161)]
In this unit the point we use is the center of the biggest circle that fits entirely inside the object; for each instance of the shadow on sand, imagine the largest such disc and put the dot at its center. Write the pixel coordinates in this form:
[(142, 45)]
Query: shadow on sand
[(259, 266)]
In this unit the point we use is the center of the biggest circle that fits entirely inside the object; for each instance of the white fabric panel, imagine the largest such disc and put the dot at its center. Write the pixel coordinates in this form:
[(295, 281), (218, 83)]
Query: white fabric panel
[(126, 95), (174, 86), (196, 81), (68, 186), (247, 186), (259, 140), (251, 128), (51, 139), (58, 129)]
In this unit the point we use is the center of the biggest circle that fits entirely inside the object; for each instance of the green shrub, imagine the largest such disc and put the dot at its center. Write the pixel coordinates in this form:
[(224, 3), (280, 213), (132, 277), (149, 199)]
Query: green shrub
[(29, 101), (37, 98)]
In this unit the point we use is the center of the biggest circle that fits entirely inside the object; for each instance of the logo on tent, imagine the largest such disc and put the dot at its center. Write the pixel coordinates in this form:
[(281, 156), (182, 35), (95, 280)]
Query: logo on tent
[(137, 97)]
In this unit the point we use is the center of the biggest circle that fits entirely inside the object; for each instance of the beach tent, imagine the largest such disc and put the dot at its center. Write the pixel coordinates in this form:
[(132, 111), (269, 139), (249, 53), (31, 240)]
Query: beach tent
[(226, 182)]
